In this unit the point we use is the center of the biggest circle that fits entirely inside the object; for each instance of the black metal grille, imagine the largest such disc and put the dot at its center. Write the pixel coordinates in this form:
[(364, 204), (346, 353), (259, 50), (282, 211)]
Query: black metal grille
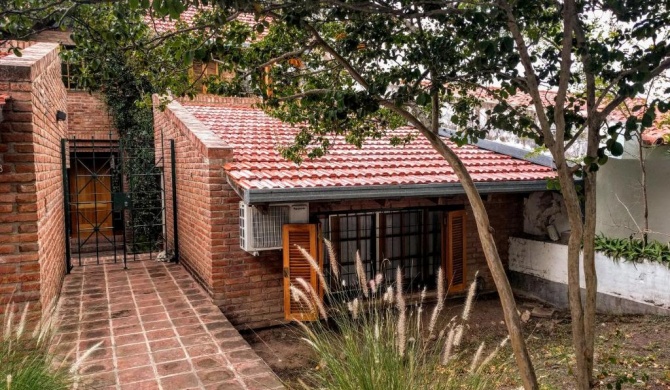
[(386, 239), (114, 201)]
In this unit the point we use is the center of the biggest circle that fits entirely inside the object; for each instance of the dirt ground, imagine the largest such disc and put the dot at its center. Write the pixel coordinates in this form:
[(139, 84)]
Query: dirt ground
[(632, 352)]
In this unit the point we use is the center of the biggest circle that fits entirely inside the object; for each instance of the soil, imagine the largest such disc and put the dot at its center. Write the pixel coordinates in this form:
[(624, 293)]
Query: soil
[(632, 352)]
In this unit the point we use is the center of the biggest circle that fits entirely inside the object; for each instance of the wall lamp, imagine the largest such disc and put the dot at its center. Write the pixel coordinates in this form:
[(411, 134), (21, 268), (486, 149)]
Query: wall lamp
[(60, 116)]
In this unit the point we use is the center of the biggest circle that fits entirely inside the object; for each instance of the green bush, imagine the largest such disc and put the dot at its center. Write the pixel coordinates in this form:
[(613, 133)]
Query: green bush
[(633, 250), (25, 361), (377, 341)]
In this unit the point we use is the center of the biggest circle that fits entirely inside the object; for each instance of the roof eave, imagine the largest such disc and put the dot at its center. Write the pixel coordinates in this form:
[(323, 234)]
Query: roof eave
[(273, 195)]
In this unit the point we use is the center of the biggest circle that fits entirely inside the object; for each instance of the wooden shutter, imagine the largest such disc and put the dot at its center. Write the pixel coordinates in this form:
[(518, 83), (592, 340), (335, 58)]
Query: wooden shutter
[(456, 251), (296, 266)]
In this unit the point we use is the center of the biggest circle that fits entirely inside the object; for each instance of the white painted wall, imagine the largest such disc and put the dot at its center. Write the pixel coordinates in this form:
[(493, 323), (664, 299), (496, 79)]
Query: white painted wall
[(647, 282), (619, 197)]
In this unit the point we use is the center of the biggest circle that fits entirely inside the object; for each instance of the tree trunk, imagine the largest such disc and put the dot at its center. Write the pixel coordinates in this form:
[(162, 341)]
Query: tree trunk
[(645, 198), (573, 208), (487, 239), (590, 277), (588, 239), (484, 228), (485, 231)]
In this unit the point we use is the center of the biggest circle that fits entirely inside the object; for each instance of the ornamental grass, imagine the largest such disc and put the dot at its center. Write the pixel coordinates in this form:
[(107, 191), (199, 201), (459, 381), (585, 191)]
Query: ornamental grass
[(377, 340), (25, 360)]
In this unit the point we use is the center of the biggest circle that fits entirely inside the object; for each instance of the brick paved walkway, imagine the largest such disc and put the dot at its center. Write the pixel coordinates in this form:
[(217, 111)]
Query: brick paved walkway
[(159, 331)]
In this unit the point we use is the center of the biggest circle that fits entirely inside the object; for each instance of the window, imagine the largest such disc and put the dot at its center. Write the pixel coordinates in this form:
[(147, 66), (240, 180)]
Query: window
[(69, 73), (411, 239)]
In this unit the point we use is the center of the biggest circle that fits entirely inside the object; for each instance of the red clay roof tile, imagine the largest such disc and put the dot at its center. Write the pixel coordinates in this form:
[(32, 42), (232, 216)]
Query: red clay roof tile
[(167, 24), (257, 164), (655, 135)]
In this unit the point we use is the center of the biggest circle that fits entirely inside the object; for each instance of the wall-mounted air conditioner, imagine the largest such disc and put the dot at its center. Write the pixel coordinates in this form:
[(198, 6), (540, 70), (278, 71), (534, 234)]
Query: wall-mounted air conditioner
[(261, 227)]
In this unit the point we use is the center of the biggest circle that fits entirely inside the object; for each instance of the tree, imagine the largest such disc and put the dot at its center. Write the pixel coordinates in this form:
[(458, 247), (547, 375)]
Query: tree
[(360, 67), (365, 60)]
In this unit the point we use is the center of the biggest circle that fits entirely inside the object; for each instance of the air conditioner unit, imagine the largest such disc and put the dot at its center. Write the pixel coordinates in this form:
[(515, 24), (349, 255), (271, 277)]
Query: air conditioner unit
[(261, 227)]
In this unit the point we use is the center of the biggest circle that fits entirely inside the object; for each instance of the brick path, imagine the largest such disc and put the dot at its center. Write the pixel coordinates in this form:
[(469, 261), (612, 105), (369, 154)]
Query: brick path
[(159, 331)]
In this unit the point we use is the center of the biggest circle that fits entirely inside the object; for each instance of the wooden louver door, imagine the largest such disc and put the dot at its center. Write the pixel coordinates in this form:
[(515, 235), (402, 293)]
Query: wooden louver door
[(91, 194), (296, 266), (456, 251)]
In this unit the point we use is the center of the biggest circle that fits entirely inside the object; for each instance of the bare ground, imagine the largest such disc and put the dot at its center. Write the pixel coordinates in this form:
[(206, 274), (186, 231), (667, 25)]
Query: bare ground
[(632, 352)]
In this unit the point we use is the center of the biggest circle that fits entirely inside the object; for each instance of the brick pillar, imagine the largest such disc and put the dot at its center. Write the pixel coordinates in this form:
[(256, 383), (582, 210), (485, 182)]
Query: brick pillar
[(32, 243)]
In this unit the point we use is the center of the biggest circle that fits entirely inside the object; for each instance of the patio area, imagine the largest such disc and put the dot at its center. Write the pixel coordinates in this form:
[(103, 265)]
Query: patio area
[(158, 329)]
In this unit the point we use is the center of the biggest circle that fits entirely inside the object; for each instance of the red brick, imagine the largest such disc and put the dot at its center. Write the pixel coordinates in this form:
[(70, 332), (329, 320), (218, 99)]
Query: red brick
[(31, 140)]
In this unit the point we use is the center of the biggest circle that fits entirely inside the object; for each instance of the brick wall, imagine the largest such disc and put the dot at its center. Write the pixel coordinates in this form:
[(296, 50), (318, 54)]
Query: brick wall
[(32, 244), (88, 116), (199, 183), (247, 288)]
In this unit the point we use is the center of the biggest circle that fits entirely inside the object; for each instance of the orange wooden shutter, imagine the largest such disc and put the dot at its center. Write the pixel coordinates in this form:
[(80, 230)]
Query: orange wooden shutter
[(456, 251), (296, 266)]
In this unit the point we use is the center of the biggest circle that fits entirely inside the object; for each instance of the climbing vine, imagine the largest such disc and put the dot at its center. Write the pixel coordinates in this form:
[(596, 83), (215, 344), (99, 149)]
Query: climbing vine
[(132, 116)]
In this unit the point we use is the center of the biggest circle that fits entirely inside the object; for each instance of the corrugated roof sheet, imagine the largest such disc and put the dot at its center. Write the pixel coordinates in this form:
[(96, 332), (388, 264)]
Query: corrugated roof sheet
[(255, 138)]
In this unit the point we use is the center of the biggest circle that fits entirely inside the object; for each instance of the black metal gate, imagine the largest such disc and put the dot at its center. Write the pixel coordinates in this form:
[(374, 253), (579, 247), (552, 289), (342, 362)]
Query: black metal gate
[(115, 202)]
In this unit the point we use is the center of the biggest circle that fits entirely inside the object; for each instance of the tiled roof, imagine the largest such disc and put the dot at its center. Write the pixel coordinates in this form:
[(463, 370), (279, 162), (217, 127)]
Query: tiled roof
[(651, 136), (167, 24), (657, 136), (255, 136)]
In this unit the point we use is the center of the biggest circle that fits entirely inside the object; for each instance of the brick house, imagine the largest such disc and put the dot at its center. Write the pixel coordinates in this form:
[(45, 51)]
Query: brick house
[(403, 204)]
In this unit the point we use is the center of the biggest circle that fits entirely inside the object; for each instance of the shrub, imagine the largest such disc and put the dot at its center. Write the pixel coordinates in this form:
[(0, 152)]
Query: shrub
[(634, 250), (25, 361), (377, 341)]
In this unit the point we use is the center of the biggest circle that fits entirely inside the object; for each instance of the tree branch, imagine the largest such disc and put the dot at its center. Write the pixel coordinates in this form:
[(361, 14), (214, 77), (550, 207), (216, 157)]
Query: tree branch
[(531, 77)]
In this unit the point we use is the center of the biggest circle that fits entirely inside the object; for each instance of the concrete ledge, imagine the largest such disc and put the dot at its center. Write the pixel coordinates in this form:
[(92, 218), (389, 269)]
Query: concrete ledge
[(623, 287), (207, 143), (556, 294), (30, 65)]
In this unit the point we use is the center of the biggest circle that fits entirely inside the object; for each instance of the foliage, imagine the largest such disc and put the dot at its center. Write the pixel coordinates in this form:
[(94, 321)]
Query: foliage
[(127, 94), (134, 119), (634, 250), (25, 361), (378, 341)]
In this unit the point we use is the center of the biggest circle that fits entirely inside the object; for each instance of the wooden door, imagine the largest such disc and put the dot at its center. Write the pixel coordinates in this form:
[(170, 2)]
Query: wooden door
[(91, 199), (296, 266), (454, 253)]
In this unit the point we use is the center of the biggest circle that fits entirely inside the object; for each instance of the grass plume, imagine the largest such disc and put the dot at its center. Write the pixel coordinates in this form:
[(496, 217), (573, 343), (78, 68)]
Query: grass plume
[(25, 358), (332, 259), (315, 266), (377, 341)]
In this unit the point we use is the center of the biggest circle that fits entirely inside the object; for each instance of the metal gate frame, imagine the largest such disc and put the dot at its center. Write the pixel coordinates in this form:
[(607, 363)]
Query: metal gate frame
[(141, 209)]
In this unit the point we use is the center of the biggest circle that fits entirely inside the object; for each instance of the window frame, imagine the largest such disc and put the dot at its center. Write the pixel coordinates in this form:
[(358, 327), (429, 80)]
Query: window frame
[(428, 230)]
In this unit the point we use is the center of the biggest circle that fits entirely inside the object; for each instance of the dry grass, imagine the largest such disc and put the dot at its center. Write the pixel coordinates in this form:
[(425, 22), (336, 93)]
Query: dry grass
[(25, 361), (377, 341)]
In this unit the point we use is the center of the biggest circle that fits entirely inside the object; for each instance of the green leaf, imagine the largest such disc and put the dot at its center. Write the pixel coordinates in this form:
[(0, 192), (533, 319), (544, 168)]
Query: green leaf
[(423, 99), (616, 149)]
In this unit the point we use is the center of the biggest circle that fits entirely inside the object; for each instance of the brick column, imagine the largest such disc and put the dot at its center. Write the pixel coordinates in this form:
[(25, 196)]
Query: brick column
[(32, 243)]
